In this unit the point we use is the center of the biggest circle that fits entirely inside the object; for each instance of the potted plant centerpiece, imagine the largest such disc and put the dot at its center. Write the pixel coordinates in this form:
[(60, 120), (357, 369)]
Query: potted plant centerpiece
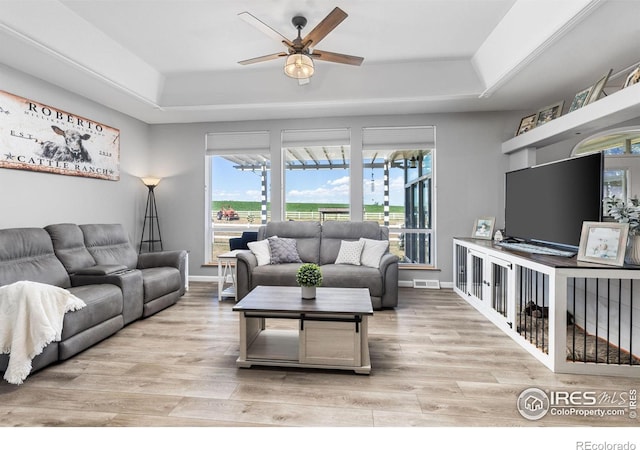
[(628, 212), (308, 277)]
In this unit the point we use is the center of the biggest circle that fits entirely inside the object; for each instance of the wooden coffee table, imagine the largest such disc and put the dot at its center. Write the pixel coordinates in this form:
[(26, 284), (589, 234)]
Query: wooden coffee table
[(332, 330)]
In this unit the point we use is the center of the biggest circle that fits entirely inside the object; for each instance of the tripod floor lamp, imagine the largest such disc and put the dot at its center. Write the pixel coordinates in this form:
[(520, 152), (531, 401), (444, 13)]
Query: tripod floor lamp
[(151, 224)]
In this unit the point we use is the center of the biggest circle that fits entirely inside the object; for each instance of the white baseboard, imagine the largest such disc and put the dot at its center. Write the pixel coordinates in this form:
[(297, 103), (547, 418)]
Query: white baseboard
[(208, 278)]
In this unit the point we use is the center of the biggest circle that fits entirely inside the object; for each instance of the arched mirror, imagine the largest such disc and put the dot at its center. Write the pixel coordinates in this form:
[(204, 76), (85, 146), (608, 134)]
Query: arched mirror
[(621, 148)]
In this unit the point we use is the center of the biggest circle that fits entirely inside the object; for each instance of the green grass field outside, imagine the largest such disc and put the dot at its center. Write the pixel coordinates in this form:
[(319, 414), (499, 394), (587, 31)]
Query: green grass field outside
[(239, 205)]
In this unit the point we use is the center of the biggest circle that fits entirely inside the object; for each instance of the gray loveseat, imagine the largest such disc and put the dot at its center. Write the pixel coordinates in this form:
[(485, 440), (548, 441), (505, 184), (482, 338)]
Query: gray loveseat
[(98, 264), (320, 243)]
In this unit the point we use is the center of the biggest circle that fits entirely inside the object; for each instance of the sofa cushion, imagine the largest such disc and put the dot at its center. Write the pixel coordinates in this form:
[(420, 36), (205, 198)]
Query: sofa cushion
[(350, 252), (261, 250), (159, 281), (373, 251), (336, 275), (104, 301), (334, 232), (283, 250), (275, 275), (306, 234), (27, 254), (68, 244), (109, 244), (102, 269)]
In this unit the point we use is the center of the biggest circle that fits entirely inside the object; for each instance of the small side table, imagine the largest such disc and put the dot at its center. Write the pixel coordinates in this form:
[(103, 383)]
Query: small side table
[(226, 267)]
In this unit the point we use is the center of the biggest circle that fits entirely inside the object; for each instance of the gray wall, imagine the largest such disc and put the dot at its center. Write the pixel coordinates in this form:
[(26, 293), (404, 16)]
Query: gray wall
[(469, 175), (36, 199)]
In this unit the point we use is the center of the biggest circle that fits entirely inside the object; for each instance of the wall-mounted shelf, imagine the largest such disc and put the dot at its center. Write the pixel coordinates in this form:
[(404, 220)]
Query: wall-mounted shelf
[(617, 107)]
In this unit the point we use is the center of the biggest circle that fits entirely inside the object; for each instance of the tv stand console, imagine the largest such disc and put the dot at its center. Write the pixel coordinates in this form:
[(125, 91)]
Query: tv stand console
[(529, 247), (574, 317)]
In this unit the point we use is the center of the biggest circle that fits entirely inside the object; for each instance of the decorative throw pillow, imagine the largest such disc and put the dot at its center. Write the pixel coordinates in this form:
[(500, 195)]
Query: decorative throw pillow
[(283, 250), (261, 250), (372, 252), (350, 252)]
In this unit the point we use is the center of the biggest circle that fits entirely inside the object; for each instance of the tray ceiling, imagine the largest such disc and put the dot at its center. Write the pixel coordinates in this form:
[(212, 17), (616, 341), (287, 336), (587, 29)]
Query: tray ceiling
[(165, 61)]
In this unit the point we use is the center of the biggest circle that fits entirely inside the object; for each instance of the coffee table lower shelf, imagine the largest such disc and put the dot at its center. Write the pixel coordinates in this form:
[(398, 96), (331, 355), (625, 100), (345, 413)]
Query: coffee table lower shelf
[(321, 342)]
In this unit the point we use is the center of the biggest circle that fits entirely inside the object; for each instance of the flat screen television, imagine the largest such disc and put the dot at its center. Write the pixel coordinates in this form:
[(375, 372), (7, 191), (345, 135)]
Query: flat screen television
[(547, 203)]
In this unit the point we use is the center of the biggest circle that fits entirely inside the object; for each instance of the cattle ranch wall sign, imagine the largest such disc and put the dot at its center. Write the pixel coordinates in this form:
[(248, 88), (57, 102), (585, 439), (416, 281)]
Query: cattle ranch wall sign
[(38, 137)]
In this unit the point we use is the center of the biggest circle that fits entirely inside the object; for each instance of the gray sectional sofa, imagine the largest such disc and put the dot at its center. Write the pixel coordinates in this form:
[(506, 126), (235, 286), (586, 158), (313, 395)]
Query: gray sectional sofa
[(98, 264), (320, 243)]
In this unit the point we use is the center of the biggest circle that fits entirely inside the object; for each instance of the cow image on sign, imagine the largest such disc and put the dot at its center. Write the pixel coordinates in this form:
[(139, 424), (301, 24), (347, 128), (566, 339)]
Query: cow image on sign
[(72, 151)]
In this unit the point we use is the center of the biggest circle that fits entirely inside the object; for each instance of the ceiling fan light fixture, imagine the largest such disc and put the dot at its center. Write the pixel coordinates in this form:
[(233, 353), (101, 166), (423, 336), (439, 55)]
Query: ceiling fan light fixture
[(299, 66)]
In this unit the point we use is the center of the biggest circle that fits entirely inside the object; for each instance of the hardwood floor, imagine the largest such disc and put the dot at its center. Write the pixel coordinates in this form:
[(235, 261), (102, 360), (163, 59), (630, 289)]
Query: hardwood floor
[(436, 362)]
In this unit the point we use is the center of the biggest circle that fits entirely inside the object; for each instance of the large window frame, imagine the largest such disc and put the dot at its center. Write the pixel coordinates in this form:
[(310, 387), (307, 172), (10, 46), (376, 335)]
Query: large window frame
[(246, 152), (409, 150), (414, 156), (311, 152)]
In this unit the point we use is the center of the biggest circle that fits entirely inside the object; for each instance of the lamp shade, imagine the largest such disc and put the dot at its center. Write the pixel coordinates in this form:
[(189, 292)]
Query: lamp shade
[(150, 181), (298, 66)]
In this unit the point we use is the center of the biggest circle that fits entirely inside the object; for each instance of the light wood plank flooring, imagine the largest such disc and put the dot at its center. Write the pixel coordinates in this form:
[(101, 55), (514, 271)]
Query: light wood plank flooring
[(436, 362)]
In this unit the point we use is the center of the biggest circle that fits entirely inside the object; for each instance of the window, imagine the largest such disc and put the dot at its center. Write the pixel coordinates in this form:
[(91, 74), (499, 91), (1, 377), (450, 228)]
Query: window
[(615, 183), (238, 174), (621, 149), (398, 188), (314, 181), (316, 174)]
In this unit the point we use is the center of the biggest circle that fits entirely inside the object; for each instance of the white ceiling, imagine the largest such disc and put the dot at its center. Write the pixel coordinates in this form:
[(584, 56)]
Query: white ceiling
[(165, 61)]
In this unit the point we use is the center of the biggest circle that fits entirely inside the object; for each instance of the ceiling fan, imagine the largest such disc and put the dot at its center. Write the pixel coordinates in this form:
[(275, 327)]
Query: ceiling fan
[(301, 51)]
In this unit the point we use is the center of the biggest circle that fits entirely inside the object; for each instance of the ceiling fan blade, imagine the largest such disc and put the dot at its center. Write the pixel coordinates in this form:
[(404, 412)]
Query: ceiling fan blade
[(321, 30), (263, 58), (266, 29), (336, 57)]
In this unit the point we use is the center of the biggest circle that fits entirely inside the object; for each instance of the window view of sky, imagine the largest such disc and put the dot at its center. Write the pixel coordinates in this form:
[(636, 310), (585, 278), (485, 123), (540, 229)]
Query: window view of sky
[(304, 186)]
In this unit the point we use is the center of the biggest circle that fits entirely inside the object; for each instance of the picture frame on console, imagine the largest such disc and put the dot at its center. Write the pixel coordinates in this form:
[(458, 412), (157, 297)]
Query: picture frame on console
[(483, 228), (603, 243), (527, 123)]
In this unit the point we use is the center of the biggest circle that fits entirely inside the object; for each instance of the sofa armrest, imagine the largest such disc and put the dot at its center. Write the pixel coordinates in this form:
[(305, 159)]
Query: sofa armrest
[(389, 271), (387, 260), (129, 282), (170, 258), (167, 258), (246, 261)]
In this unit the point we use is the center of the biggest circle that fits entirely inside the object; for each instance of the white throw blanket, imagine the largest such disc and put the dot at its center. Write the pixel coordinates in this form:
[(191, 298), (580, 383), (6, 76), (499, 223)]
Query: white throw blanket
[(31, 317)]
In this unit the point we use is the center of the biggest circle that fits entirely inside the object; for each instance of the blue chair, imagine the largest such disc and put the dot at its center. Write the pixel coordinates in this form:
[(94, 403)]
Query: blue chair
[(240, 243)]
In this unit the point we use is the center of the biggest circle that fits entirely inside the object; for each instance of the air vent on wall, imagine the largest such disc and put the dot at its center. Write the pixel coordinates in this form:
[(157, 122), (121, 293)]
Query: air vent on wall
[(426, 284)]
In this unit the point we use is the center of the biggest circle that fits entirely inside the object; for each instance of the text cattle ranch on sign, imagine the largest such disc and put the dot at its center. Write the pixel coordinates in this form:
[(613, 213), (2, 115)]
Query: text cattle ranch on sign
[(38, 137)]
